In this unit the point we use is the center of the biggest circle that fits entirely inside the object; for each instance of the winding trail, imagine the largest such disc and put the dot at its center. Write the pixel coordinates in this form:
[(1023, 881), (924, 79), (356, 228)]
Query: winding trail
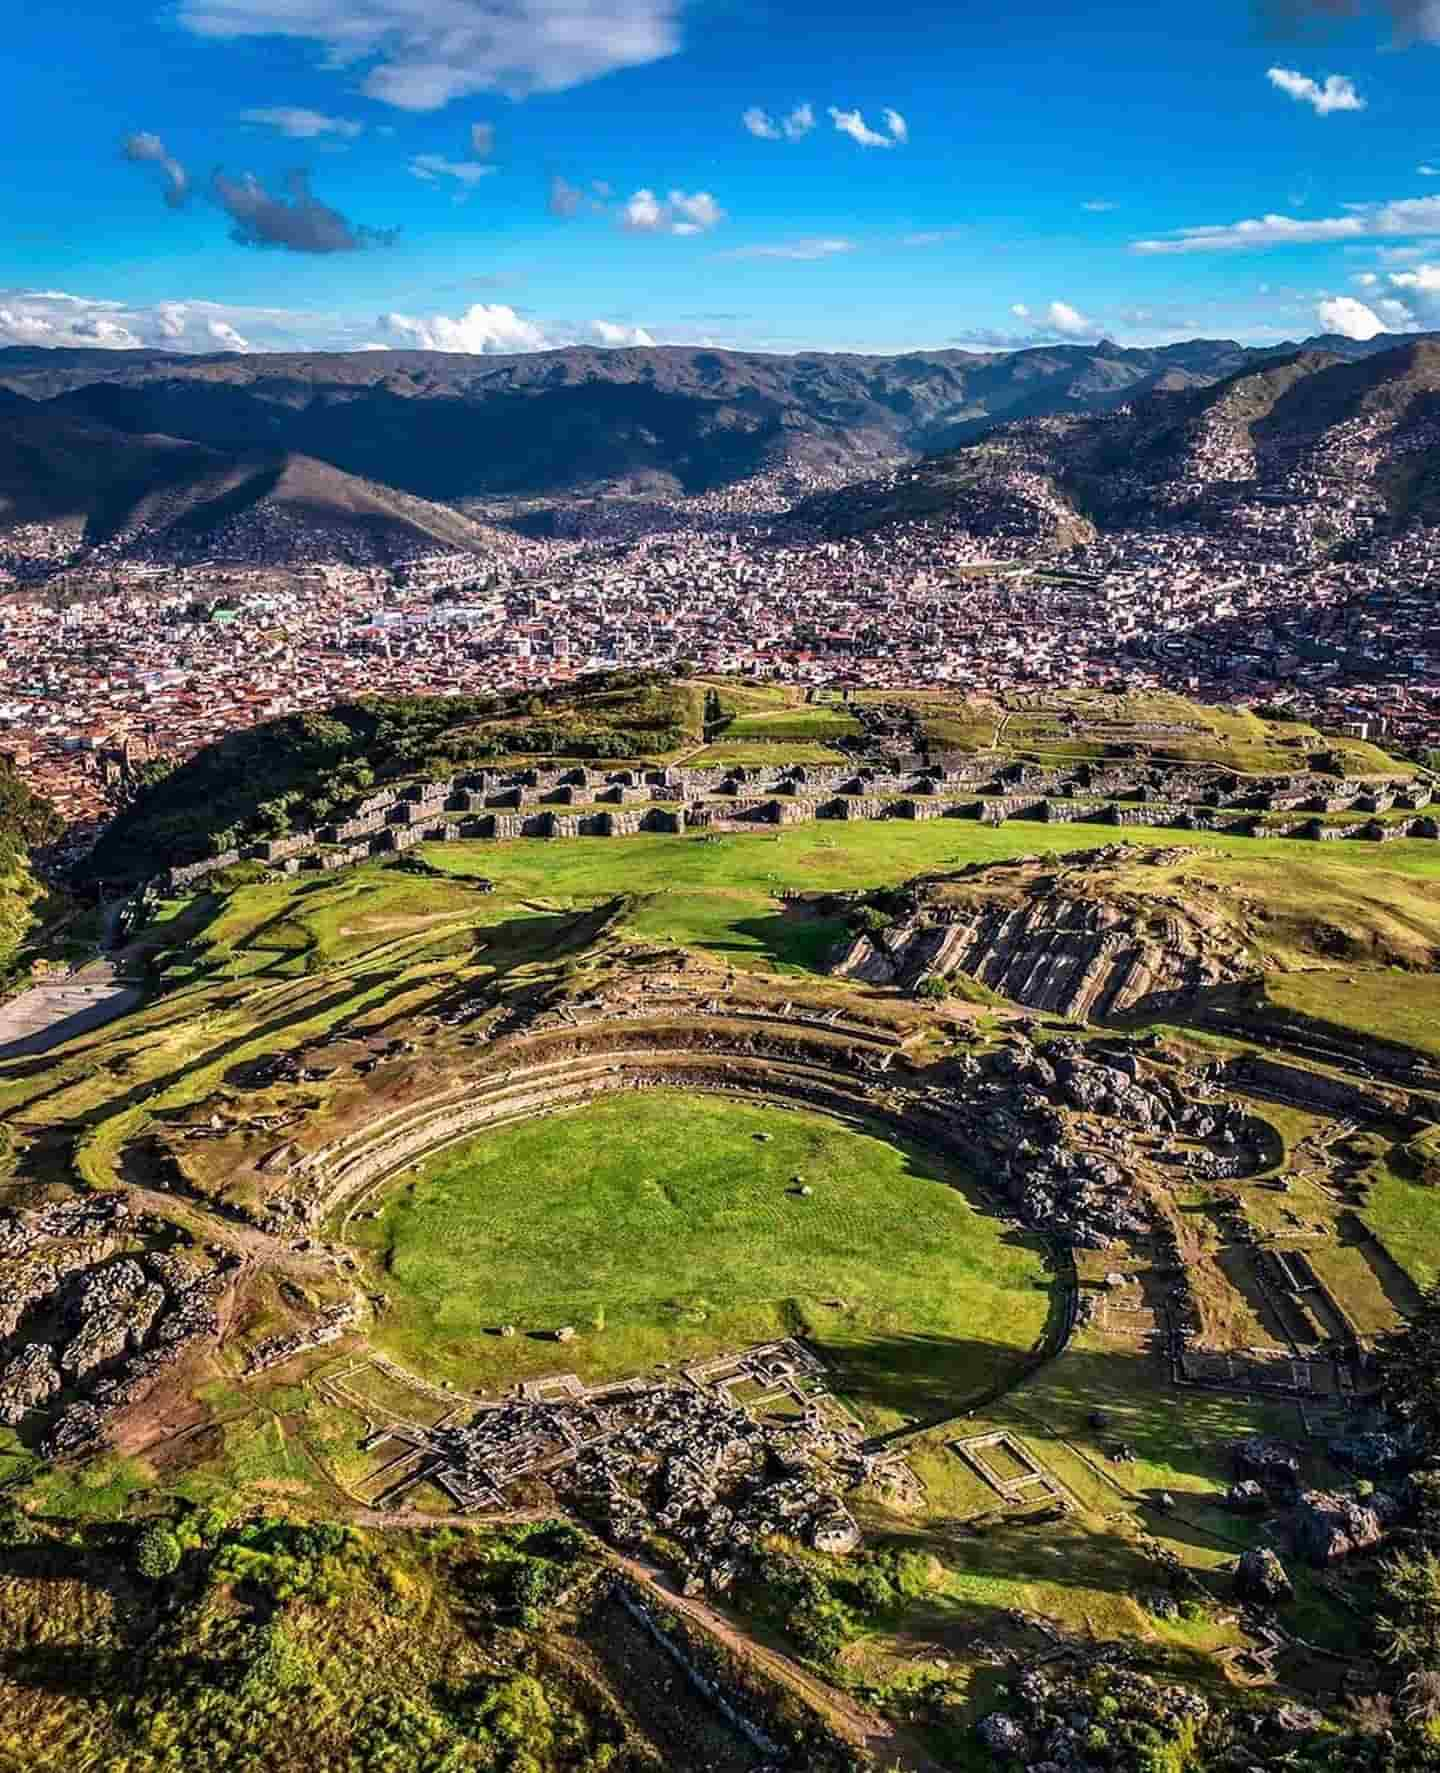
[(866, 1729)]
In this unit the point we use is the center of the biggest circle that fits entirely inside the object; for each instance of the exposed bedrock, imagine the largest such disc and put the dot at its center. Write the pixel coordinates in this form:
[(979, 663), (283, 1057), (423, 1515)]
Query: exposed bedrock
[(1078, 958)]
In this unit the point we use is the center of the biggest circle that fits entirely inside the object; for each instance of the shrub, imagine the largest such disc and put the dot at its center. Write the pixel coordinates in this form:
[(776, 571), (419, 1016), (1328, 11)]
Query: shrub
[(157, 1553)]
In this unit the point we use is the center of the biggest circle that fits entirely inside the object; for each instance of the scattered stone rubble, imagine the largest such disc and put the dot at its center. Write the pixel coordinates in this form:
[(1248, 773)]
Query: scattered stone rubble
[(275, 1350), (1051, 1716), (675, 1455), (92, 1311)]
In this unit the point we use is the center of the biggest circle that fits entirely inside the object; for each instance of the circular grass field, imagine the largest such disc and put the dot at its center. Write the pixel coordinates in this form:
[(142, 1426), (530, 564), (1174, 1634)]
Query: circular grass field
[(663, 1226)]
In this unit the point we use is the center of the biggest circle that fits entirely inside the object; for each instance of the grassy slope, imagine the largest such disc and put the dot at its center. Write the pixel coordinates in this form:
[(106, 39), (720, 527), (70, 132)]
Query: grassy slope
[(1056, 725), (309, 768), (722, 895), (664, 1228), (274, 1648), (25, 819)]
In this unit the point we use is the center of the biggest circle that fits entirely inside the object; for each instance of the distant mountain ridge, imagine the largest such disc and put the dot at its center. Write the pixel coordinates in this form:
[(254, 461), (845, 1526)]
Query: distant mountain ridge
[(373, 455), (70, 486), (450, 427), (1314, 424)]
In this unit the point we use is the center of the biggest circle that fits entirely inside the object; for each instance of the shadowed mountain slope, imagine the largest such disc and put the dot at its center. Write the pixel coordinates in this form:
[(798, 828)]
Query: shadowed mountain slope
[(448, 426), (69, 485)]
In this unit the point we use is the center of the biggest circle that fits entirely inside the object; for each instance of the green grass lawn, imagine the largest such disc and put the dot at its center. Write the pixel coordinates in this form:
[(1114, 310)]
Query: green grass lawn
[(722, 894), (663, 1226), (1389, 1004), (804, 724), (762, 754), (1407, 1216)]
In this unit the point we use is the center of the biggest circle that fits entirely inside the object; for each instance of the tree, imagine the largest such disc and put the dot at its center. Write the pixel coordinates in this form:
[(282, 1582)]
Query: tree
[(1408, 1618), (1409, 1362), (157, 1553)]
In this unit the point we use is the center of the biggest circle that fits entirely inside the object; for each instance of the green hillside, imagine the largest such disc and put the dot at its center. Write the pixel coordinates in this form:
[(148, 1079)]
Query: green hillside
[(25, 819), (306, 768)]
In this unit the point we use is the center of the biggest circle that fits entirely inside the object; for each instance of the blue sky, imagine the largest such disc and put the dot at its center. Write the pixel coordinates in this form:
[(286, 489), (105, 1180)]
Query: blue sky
[(511, 174)]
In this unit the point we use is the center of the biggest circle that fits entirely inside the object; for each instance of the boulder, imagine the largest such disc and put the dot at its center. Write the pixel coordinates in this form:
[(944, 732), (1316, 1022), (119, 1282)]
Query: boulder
[(1327, 1527), (1260, 1576), (1003, 1735), (1368, 1454)]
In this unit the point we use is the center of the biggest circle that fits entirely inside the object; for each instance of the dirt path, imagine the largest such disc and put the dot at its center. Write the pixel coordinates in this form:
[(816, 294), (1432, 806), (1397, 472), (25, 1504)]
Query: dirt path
[(875, 1734), (248, 1241)]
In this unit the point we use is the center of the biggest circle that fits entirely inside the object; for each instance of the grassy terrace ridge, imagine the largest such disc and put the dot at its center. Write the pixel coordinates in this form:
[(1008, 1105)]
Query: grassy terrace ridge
[(670, 1226), (1057, 725)]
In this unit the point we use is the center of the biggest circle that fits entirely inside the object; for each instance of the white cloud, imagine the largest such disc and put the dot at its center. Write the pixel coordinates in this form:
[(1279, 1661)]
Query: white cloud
[(1337, 94), (434, 167), (1397, 316), (1351, 319), (1424, 279), (799, 123), (1099, 206), (680, 213), (484, 329), (1402, 215), (482, 139), (1020, 310), (1366, 280), (56, 317), (1427, 171), (817, 248), (424, 53), (851, 123), (225, 335), (1062, 318), (302, 125), (607, 332), (766, 128), (644, 212)]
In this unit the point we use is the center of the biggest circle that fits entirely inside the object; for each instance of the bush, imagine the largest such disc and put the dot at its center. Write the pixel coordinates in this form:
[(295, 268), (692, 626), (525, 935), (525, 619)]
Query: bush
[(157, 1553), (873, 921)]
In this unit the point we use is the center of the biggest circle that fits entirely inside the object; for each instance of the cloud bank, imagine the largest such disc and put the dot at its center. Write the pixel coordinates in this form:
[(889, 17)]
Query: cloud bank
[(1401, 216)]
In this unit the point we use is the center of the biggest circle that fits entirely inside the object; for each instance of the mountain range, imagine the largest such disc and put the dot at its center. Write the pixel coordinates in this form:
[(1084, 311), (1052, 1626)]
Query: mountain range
[(1314, 427), (374, 454), (70, 486)]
